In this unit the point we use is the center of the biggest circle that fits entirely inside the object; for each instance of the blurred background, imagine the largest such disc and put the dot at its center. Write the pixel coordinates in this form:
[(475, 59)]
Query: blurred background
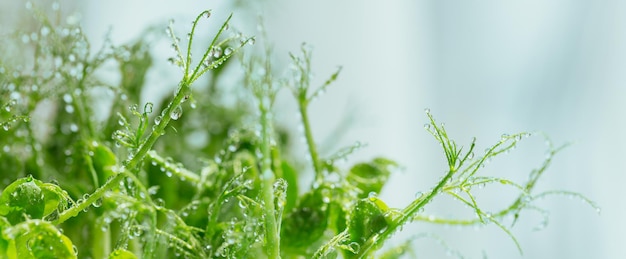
[(484, 68)]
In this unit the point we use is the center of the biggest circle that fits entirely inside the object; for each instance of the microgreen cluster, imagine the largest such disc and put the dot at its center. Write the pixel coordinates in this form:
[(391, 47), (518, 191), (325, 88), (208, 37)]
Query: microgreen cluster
[(192, 176)]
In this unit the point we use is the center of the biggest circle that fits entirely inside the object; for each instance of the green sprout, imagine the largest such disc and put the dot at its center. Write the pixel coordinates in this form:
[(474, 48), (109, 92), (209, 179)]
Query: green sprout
[(193, 176)]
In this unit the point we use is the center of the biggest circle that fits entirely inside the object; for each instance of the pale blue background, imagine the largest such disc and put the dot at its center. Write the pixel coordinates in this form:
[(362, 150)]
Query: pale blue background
[(483, 68)]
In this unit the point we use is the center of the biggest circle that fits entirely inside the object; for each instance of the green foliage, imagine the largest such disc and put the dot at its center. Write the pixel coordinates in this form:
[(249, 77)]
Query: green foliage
[(195, 177)]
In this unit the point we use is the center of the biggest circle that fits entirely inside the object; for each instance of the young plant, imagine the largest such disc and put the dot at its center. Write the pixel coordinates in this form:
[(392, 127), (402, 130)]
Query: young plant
[(148, 182)]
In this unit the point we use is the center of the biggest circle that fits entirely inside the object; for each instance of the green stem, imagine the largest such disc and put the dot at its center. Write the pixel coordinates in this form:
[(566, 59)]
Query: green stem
[(272, 243), (406, 215), (181, 172), (159, 129), (97, 194), (100, 241), (308, 133)]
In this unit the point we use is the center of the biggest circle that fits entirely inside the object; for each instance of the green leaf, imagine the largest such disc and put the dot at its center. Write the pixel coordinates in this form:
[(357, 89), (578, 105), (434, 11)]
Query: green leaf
[(290, 175), (122, 254), (38, 239), (4, 243), (30, 197), (22, 197), (370, 177), (103, 160), (306, 223), (368, 218)]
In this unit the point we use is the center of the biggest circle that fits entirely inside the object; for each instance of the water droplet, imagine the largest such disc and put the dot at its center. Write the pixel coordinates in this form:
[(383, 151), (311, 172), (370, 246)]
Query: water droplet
[(228, 51), (69, 108), (44, 31), (158, 119), (67, 98), (216, 52), (207, 14), (97, 203), (73, 127), (25, 38), (176, 113), (136, 231), (252, 41), (242, 204), (159, 202), (427, 110), (168, 173), (133, 108), (354, 247), (427, 126), (153, 190)]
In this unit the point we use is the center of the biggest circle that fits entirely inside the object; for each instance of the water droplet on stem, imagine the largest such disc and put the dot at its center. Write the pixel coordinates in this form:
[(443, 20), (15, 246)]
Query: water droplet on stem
[(176, 113)]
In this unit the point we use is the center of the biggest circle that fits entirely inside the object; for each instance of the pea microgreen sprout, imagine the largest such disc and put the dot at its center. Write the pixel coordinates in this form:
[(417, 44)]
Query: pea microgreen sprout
[(140, 180)]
